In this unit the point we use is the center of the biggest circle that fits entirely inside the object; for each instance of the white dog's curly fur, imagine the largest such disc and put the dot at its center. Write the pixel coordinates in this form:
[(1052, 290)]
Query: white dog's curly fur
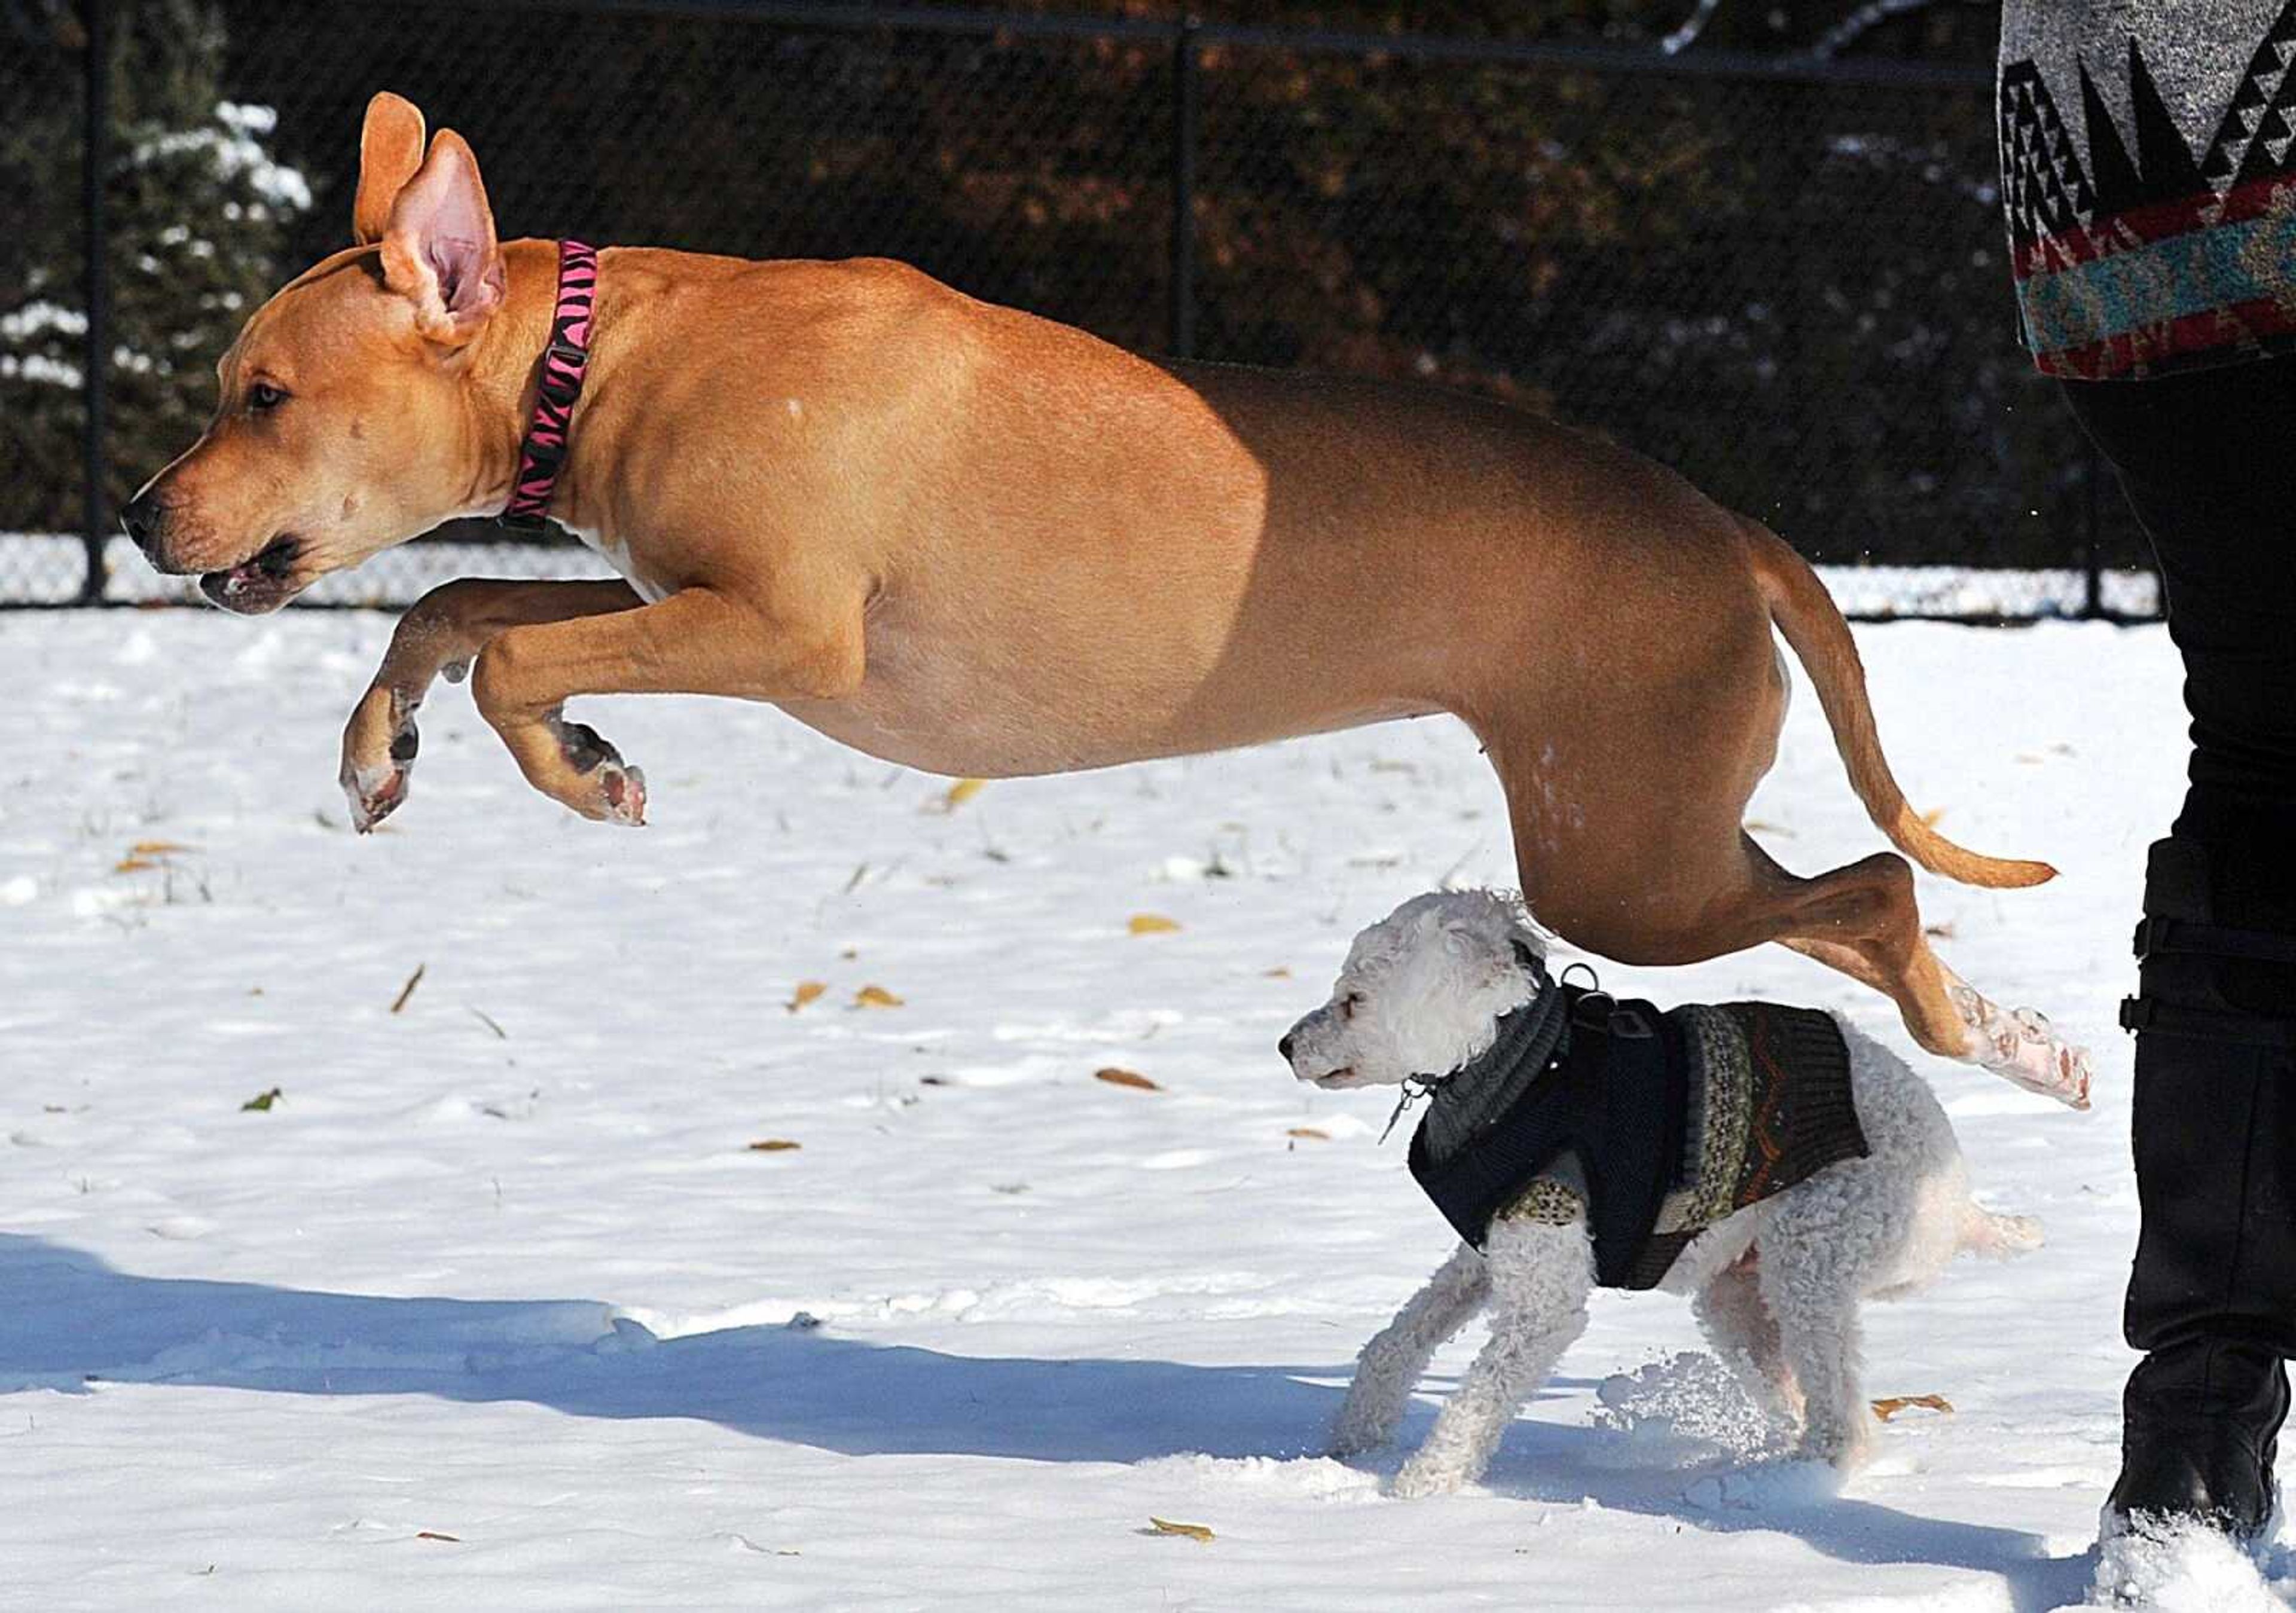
[(1776, 1287)]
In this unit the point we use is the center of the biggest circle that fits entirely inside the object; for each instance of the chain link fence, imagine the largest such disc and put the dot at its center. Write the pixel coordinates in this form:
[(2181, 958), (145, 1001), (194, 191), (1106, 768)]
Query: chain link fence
[(1784, 278)]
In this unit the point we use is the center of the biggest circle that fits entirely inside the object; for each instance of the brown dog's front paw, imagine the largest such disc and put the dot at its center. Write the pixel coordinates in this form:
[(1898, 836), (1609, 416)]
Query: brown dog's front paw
[(622, 788), (611, 791), (379, 750), (370, 802)]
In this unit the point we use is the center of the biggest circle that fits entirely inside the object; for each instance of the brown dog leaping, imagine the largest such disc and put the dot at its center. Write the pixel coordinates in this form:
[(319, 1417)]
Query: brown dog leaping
[(976, 542)]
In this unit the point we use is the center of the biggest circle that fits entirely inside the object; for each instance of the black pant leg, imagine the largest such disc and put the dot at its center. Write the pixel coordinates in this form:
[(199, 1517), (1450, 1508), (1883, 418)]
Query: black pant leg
[(2208, 461)]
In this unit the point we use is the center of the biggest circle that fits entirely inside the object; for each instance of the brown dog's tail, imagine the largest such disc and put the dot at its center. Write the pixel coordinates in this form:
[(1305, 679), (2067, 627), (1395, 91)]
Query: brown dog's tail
[(1806, 613)]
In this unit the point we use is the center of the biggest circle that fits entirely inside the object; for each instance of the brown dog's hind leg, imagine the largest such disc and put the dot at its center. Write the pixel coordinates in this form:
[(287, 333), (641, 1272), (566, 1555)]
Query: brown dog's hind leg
[(443, 633), (696, 641), (1862, 919)]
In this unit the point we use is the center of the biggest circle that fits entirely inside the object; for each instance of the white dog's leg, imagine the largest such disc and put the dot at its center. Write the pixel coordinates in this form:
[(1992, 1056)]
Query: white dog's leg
[(1390, 1364), (1540, 1276), (1811, 1284), (1737, 1323)]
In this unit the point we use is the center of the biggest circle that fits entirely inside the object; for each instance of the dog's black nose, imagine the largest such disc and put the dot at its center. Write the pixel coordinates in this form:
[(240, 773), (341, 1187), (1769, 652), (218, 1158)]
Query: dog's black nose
[(142, 519), (1284, 1047)]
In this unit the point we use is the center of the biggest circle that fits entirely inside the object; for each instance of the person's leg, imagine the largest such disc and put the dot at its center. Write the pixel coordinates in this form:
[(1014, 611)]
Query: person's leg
[(2206, 460)]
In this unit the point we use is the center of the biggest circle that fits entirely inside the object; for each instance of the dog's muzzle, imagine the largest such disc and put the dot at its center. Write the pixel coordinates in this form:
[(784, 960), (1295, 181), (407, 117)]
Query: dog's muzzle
[(260, 584), (144, 520)]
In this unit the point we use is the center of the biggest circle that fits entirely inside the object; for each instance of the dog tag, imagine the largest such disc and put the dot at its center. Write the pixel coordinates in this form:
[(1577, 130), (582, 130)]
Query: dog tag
[(1413, 1090)]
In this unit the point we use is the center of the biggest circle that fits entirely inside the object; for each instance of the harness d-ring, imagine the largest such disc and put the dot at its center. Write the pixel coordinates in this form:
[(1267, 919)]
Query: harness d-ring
[(1595, 1006)]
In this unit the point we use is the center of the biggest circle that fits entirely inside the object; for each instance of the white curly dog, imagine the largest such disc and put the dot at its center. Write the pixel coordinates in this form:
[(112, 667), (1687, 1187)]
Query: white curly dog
[(1776, 1287)]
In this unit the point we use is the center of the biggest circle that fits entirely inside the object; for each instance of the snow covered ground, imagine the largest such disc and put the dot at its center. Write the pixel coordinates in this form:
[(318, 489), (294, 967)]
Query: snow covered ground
[(497, 1304)]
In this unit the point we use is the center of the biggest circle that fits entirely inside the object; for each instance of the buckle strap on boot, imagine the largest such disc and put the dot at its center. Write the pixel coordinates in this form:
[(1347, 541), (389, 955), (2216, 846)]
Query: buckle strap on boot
[(2208, 1024), (2158, 936)]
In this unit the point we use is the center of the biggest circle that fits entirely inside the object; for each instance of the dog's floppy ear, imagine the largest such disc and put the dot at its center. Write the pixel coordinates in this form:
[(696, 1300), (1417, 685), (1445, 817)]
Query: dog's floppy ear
[(390, 148), (438, 250)]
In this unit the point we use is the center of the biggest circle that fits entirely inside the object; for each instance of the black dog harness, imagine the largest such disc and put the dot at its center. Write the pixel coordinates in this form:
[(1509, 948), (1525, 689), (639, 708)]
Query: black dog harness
[(1676, 1119)]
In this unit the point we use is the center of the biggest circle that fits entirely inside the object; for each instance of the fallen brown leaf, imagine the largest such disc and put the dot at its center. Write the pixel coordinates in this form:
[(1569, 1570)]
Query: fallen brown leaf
[(807, 991), (132, 865), (1192, 1531), (435, 1535), (875, 997), (158, 848), (961, 792), (774, 1146), (1150, 924), (407, 990), (1890, 1405), (1125, 1077), (1310, 1131), (1277, 973)]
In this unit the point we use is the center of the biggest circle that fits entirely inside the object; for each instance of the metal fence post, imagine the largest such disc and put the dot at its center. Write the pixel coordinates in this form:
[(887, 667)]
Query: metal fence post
[(95, 157), (2093, 602), (1187, 115)]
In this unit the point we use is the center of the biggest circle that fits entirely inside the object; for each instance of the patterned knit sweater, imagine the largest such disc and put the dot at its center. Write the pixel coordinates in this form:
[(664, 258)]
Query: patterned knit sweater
[(1654, 1139), (2148, 164)]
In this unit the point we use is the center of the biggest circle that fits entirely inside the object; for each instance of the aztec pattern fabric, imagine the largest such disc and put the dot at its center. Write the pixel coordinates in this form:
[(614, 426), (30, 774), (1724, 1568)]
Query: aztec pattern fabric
[(1769, 1107), (2148, 168)]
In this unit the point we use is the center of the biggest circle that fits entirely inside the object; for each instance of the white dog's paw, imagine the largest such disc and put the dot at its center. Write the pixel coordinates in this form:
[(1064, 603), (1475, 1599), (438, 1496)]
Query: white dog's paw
[(1353, 1435), (1844, 1449), (1421, 1479)]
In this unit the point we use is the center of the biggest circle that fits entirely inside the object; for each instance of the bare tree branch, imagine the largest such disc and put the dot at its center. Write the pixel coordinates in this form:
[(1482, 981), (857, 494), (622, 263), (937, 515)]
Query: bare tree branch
[(1687, 34), (1858, 23)]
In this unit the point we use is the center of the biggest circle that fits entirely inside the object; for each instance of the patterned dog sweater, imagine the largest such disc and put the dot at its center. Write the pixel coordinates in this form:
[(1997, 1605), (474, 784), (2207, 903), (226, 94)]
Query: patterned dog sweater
[(1655, 1126)]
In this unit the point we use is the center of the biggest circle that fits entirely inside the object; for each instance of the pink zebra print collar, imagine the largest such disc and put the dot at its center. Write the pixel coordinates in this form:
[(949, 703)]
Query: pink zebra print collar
[(564, 362)]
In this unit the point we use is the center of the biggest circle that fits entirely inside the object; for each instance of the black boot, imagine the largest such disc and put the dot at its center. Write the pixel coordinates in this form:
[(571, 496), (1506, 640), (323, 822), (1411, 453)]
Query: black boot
[(2212, 1293), (2200, 1426)]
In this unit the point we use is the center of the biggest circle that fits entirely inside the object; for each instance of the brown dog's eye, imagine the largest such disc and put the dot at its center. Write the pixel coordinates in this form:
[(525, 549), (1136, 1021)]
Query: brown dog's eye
[(263, 397)]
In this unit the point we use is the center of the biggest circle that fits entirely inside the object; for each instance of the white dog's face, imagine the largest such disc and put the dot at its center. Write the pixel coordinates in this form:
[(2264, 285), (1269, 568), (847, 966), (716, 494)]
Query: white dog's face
[(1421, 993)]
